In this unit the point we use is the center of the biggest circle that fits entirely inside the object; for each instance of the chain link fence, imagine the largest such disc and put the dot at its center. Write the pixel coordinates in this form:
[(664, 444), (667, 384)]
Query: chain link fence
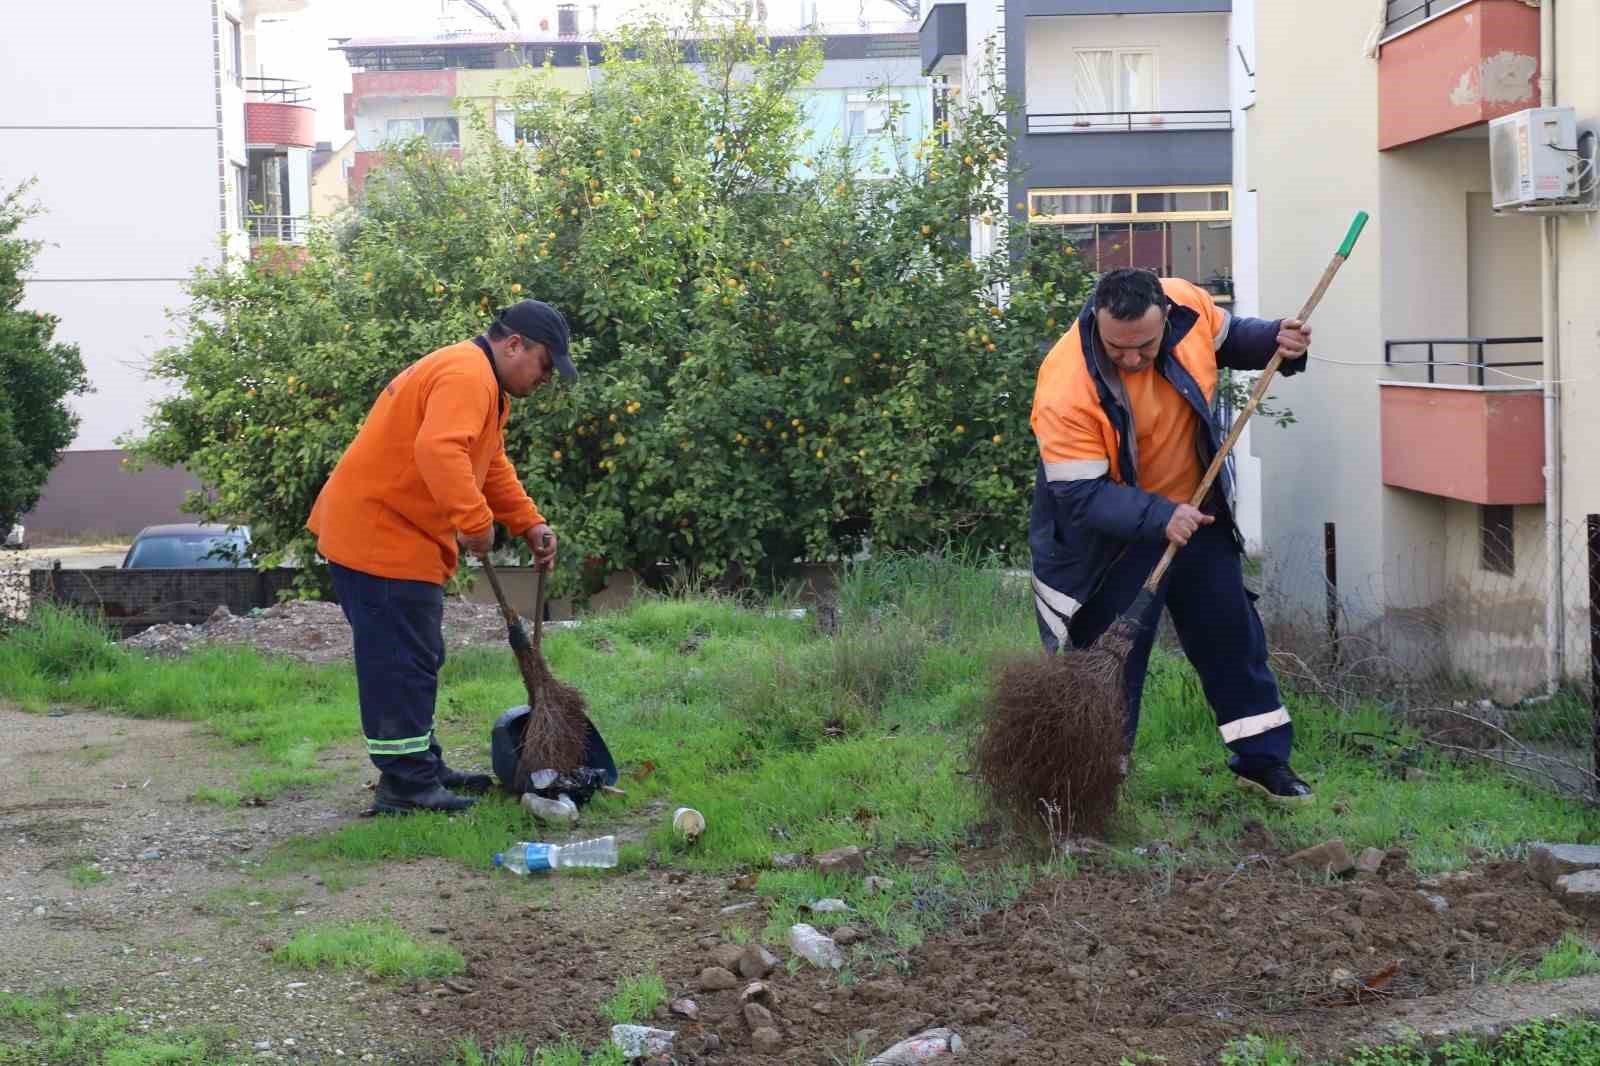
[(1448, 635)]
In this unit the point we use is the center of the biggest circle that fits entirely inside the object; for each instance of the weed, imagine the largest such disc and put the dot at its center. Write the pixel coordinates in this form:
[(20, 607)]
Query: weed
[(217, 797), (83, 875), (380, 949), (737, 934), (1574, 956), (46, 1031), (635, 999), (1258, 1050)]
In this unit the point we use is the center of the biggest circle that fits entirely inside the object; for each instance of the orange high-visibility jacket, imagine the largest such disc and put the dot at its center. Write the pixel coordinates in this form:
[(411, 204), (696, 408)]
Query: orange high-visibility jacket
[(429, 460)]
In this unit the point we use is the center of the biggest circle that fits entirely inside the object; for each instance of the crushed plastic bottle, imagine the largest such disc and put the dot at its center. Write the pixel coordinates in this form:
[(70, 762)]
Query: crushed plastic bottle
[(559, 811), (924, 1046), (815, 948), (527, 857), (637, 1041)]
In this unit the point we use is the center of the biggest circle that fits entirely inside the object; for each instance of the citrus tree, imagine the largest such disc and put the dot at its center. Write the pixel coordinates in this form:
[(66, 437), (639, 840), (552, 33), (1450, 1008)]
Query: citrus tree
[(780, 360), (38, 375)]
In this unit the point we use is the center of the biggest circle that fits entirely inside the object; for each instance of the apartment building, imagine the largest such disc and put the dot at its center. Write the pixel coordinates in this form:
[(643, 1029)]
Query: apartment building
[(1441, 443), (870, 93)]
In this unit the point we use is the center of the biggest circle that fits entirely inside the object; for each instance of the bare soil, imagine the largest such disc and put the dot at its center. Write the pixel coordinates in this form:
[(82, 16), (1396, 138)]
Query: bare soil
[(1087, 970)]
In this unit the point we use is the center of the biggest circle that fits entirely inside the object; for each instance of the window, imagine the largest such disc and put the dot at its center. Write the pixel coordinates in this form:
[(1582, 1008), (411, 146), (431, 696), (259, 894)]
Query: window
[(511, 131), (232, 52), (1496, 539), (1114, 79), (440, 132), (866, 116), (1184, 232), (241, 204)]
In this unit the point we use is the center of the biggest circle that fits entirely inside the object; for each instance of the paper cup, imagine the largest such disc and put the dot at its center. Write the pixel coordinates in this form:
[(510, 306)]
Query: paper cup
[(688, 822)]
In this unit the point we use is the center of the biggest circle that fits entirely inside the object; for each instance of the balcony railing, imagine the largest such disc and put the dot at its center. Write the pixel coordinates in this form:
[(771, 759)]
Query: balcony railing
[(1404, 14), (278, 90), (1476, 363), (1127, 121), (289, 229)]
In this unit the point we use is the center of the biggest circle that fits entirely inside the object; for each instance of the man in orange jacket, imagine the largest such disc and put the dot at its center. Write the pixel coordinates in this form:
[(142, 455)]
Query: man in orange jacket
[(427, 476)]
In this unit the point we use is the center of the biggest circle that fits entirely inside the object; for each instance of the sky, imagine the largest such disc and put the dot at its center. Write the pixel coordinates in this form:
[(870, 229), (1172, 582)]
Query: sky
[(298, 46)]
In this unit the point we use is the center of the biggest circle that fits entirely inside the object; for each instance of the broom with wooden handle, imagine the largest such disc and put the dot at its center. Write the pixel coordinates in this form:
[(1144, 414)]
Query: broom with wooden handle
[(1053, 734), (558, 723)]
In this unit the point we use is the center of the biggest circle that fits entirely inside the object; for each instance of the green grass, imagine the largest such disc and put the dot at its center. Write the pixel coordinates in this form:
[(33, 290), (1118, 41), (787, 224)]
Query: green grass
[(48, 1031), (378, 949), (516, 1053), (1574, 956), (786, 738), (1537, 1043), (84, 875), (635, 999)]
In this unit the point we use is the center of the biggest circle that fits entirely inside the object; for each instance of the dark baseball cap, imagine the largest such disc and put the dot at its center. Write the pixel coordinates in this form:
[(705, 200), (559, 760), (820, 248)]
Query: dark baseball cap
[(538, 321)]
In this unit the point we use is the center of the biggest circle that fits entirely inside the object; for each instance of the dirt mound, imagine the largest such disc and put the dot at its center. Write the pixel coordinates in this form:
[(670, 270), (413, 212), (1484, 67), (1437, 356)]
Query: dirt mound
[(1087, 970), (309, 630)]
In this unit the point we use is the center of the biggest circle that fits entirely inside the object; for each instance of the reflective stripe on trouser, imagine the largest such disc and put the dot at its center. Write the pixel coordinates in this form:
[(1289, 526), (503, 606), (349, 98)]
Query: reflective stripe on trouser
[(1220, 631), (399, 650)]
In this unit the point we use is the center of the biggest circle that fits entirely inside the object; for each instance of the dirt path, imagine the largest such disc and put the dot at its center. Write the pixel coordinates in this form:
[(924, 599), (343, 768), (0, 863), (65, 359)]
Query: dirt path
[(114, 883)]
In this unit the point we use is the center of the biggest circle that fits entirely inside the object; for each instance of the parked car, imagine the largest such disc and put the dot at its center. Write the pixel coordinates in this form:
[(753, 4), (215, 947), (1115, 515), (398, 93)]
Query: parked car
[(17, 538), (189, 545)]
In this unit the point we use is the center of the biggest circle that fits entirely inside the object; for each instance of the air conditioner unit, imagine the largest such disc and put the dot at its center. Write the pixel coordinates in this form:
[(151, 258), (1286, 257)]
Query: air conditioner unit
[(1533, 158)]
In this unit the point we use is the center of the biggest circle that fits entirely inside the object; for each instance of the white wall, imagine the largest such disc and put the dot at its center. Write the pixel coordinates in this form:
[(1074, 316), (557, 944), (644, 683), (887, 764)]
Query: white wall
[(1246, 271), (127, 162), (986, 27), (1191, 57), (1312, 154)]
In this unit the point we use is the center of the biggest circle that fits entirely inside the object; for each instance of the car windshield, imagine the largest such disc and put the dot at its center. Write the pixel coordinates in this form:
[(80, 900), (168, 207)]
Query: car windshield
[(169, 550)]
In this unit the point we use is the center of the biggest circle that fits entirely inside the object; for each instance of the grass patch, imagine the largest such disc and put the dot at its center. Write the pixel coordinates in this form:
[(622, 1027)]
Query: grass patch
[(635, 999), (84, 875), (378, 949), (1574, 956), (47, 1031), (516, 1053), (787, 738)]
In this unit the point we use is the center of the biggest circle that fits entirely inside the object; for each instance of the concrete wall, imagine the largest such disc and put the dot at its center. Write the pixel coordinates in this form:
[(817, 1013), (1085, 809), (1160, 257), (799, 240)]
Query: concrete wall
[(330, 186), (1191, 58), (132, 176), (1324, 467)]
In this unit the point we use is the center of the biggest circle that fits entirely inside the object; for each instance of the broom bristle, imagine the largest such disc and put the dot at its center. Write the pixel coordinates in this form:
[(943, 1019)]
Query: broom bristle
[(557, 728), (1053, 736)]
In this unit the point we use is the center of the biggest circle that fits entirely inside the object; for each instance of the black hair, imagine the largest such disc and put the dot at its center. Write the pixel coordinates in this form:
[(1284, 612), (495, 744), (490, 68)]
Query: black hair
[(498, 332), (1127, 293)]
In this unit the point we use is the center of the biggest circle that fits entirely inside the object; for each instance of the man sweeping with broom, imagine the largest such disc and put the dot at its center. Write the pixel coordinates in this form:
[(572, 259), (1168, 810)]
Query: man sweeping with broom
[(426, 476), (1122, 414)]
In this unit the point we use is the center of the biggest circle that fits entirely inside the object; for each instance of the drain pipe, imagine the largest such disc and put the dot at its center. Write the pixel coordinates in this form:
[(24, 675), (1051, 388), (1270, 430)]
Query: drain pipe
[(1555, 613)]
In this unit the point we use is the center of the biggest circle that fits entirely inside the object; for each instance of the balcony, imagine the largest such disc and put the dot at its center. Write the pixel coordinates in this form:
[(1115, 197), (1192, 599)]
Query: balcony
[(944, 38), (278, 112), (1454, 435), (1125, 7), (1447, 65), (286, 229), (1128, 121)]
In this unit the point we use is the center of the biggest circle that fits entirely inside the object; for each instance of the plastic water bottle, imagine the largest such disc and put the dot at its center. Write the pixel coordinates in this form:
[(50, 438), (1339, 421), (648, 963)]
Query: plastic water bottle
[(526, 857)]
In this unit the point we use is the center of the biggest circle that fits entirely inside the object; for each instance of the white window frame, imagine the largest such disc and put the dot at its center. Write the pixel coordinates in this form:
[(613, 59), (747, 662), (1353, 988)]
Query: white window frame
[(1119, 105), (866, 106), (420, 129)]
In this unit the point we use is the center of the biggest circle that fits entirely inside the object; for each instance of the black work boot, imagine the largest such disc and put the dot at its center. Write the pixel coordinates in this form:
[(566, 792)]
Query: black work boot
[(390, 800), (460, 781), (1276, 781)]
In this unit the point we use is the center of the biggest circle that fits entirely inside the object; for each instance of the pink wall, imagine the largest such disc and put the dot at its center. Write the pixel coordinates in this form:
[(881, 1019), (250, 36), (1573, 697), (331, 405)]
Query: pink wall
[(1466, 444), (286, 124), (1477, 62)]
